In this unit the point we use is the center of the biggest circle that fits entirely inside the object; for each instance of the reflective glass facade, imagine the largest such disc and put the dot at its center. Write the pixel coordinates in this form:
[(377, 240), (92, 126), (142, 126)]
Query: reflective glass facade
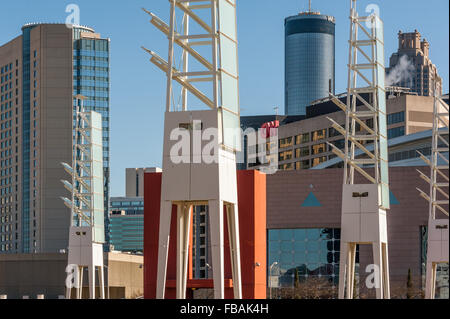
[(91, 79), (26, 130), (309, 61), (126, 228), (304, 254), (127, 233)]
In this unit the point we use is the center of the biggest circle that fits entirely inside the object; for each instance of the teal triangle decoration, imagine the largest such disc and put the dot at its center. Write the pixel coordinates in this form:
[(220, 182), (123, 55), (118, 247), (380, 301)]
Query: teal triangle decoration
[(393, 199), (311, 201)]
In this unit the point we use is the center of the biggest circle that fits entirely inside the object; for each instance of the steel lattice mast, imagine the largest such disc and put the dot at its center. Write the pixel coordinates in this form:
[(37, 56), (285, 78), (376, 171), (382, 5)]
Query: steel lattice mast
[(438, 197), (208, 72), (87, 235), (364, 205)]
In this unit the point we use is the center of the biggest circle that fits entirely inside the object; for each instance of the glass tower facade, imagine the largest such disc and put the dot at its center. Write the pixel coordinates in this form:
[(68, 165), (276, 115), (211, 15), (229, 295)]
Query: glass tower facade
[(127, 224), (309, 60), (302, 254), (26, 129), (91, 79)]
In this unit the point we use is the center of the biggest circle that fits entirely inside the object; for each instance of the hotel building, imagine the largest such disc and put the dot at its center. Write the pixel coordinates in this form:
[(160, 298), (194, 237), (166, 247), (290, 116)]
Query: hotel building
[(40, 72)]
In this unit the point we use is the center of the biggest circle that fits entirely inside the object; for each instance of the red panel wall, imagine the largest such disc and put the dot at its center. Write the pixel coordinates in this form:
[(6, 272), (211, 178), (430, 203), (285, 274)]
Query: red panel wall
[(252, 226)]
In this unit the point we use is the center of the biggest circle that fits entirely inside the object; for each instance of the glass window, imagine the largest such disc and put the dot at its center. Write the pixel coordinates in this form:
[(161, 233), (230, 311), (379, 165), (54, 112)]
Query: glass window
[(333, 132), (302, 152), (319, 148), (285, 156), (286, 142), (319, 135), (302, 139), (396, 118), (302, 255), (339, 144), (396, 132), (302, 165), (286, 167), (316, 161)]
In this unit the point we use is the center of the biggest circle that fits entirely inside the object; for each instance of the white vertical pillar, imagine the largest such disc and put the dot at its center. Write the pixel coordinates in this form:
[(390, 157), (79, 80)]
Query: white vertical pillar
[(233, 233), (163, 248), (187, 237), (430, 281), (351, 271), (183, 231), (101, 280), (91, 275), (180, 245), (386, 279), (343, 268), (377, 260), (79, 290), (217, 247)]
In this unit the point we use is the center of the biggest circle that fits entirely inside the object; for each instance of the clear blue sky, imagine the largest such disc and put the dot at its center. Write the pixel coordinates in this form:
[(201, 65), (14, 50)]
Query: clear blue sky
[(138, 88)]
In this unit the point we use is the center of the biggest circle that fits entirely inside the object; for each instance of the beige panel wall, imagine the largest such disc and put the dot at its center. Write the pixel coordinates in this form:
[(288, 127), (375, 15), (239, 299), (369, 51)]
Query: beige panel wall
[(126, 271), (10, 53), (33, 274), (130, 182), (419, 114), (55, 132)]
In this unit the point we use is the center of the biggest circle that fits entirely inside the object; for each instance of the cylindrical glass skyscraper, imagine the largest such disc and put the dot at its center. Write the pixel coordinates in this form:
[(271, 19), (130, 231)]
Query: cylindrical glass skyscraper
[(309, 60)]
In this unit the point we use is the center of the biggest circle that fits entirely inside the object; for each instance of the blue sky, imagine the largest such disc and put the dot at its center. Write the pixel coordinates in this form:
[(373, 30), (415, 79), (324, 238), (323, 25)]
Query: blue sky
[(138, 88)]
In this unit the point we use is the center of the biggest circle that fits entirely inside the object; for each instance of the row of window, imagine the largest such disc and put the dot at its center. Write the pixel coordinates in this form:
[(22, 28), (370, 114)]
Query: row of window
[(304, 164), (91, 45), (127, 204), (396, 132), (7, 68), (303, 152), (396, 118)]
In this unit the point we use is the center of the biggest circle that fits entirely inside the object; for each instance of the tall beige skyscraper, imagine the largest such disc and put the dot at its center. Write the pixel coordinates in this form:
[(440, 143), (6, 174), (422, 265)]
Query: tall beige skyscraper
[(40, 72), (411, 66)]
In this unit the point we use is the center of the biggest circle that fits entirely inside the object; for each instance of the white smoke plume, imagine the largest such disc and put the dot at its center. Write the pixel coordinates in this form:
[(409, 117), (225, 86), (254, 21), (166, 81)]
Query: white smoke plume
[(403, 71)]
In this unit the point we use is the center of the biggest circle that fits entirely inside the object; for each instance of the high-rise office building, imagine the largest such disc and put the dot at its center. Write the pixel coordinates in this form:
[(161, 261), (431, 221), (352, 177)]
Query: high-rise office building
[(126, 215), (41, 70), (309, 60), (126, 224), (411, 66)]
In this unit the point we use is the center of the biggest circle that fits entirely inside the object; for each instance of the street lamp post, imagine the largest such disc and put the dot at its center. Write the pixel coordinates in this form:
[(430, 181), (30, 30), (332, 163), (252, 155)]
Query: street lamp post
[(270, 273)]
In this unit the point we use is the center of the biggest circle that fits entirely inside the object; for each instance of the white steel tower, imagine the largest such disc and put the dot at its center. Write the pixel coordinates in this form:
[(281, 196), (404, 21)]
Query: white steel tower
[(87, 236), (364, 205), (438, 198), (201, 168)]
